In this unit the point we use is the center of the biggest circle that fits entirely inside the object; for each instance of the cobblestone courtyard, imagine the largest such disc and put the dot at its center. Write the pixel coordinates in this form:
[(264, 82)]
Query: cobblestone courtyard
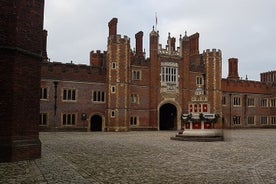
[(248, 156)]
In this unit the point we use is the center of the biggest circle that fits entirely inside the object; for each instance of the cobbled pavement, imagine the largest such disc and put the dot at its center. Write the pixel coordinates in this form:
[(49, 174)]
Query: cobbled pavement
[(246, 156)]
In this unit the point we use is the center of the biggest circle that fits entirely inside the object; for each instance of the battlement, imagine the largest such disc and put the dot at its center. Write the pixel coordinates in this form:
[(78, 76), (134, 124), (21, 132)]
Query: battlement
[(269, 76), (97, 59), (73, 72), (213, 52), (97, 53), (168, 51), (245, 86), (194, 36), (119, 38)]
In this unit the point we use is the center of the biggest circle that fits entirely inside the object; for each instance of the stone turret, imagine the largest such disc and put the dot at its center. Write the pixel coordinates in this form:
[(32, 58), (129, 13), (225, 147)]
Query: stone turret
[(213, 61), (117, 64)]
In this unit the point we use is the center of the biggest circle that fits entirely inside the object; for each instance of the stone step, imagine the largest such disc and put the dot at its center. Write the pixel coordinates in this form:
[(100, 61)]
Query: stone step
[(198, 138)]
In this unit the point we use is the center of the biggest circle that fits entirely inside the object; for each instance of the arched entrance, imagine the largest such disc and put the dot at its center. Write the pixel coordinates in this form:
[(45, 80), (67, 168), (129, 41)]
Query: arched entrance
[(167, 117), (96, 123)]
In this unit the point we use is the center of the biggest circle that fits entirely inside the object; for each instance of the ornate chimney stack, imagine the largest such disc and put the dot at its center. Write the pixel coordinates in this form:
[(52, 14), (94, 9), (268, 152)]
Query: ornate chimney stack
[(113, 27), (173, 43), (233, 69), (44, 45), (139, 44)]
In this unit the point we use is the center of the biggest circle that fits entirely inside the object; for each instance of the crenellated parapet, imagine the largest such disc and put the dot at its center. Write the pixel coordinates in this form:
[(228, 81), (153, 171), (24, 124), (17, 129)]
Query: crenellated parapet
[(98, 58), (119, 39), (269, 76), (167, 51), (170, 49), (246, 86), (212, 53), (72, 72)]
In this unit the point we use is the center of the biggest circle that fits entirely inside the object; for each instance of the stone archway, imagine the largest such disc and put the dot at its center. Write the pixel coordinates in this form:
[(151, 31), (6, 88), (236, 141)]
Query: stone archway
[(168, 117), (96, 123)]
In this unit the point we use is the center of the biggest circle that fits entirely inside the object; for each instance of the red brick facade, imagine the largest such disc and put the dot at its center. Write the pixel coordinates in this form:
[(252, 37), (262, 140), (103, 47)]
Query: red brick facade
[(248, 103), (21, 23), (122, 90), (131, 92)]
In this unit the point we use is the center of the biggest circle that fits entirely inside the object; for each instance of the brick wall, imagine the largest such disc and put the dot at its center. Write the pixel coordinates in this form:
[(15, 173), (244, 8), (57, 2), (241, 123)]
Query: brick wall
[(114, 68), (82, 105), (20, 57)]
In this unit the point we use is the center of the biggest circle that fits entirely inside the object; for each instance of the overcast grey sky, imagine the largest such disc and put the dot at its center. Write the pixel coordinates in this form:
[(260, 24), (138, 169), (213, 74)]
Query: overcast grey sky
[(244, 29)]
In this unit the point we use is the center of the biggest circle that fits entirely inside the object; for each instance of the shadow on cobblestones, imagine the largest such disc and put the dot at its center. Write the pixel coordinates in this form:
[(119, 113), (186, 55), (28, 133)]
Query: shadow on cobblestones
[(248, 156)]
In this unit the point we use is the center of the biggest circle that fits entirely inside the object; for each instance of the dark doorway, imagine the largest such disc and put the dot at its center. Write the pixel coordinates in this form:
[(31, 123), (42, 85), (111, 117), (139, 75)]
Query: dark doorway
[(96, 123), (167, 117)]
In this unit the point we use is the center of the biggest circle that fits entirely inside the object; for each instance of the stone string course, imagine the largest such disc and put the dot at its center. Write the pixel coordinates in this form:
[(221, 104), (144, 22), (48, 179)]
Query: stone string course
[(247, 156)]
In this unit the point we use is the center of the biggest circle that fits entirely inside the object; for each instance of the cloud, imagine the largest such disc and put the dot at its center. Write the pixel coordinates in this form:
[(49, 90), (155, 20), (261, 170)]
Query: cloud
[(240, 28)]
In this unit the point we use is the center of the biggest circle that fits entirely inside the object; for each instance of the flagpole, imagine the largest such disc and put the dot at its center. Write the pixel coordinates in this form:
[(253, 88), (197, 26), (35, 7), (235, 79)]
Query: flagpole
[(156, 21)]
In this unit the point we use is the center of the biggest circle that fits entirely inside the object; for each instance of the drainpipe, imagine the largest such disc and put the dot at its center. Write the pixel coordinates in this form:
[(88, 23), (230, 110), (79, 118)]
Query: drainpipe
[(204, 83), (245, 110), (55, 102), (230, 109)]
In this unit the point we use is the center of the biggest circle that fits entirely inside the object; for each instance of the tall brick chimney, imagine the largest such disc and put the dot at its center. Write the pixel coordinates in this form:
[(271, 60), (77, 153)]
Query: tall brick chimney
[(44, 45), (233, 69), (194, 44), (139, 44), (113, 27), (173, 43)]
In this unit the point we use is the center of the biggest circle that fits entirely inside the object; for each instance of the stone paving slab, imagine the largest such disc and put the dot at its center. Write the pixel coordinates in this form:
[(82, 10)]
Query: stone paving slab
[(248, 156)]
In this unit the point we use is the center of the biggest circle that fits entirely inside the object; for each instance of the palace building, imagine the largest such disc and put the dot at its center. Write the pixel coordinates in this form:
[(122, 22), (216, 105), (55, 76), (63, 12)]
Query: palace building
[(122, 90)]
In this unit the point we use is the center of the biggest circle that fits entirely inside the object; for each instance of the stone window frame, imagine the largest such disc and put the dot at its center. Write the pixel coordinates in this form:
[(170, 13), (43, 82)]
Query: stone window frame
[(134, 121), (273, 120), (42, 93), (237, 101), (264, 102), (238, 121), (136, 75), (169, 73), (251, 102), (251, 120), (113, 89), (113, 114), (223, 99), (113, 65), (98, 96), (264, 120), (69, 119), (273, 102), (199, 81), (70, 96), (42, 121)]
